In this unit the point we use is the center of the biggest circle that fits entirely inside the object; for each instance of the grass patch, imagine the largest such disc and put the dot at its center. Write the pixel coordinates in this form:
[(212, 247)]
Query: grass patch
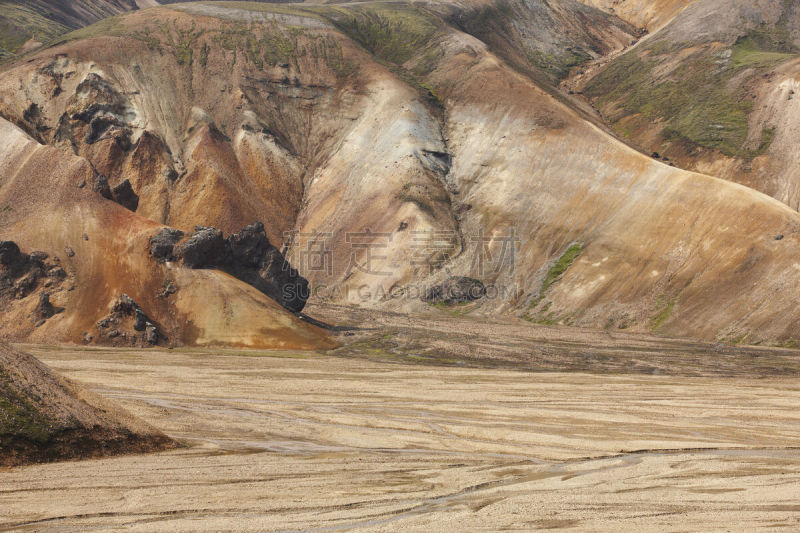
[(747, 53), (18, 417), (18, 23), (557, 270), (558, 66), (108, 27), (392, 32), (658, 320), (695, 101), (560, 267)]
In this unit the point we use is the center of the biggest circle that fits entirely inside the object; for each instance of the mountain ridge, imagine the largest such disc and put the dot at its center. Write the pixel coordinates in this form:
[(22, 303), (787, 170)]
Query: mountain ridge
[(450, 139)]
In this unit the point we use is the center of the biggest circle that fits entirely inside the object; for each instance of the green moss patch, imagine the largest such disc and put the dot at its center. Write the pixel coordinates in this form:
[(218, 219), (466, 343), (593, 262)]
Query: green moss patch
[(703, 101), (560, 267), (663, 315), (18, 417), (555, 272), (559, 65), (392, 32)]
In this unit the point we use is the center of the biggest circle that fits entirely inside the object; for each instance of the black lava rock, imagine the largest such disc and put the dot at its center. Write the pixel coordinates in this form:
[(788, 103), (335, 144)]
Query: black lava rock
[(162, 246), (455, 290), (102, 187), (249, 246), (44, 309), (10, 253), (205, 248), (123, 194)]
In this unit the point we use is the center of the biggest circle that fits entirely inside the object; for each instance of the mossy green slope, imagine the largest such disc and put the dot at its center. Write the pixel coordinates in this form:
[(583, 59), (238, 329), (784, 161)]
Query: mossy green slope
[(44, 20), (697, 92)]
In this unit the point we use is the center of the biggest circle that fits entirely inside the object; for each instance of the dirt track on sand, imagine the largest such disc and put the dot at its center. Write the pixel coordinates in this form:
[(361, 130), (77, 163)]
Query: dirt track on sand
[(300, 441)]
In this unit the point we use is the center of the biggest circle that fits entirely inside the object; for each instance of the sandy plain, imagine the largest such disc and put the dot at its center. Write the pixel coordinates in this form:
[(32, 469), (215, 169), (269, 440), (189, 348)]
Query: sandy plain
[(356, 440)]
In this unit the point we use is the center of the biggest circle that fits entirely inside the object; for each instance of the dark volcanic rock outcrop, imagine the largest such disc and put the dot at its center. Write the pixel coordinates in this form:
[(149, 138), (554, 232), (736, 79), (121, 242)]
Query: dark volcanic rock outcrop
[(162, 246), (128, 325), (22, 274), (124, 195), (247, 255), (251, 258), (455, 290), (10, 253), (205, 248), (44, 309)]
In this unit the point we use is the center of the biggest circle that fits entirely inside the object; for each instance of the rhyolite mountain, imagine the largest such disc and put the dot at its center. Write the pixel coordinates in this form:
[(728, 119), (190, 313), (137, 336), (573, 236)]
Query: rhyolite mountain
[(26, 25), (414, 144), (714, 91)]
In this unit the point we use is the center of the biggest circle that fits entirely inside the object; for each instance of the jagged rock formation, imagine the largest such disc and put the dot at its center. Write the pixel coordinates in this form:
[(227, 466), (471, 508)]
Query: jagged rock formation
[(127, 325), (123, 194), (246, 255), (102, 247), (162, 245), (29, 277), (44, 417), (205, 248)]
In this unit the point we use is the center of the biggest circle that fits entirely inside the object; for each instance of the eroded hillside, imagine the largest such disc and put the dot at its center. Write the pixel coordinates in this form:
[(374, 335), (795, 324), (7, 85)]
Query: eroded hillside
[(26, 25), (106, 275), (714, 91), (388, 148), (649, 14)]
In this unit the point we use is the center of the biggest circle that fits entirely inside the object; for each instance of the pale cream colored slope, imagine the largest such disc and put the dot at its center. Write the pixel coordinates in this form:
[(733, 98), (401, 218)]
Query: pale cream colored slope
[(649, 14), (386, 178), (46, 208), (681, 252)]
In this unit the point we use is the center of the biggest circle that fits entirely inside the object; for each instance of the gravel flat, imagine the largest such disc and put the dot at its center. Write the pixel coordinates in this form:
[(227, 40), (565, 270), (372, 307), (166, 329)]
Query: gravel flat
[(291, 441)]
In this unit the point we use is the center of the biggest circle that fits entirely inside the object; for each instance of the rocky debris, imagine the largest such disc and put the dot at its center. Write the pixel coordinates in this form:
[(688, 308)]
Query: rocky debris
[(22, 274), (455, 290), (102, 187), (254, 260), (69, 251), (162, 246), (123, 194), (102, 109), (151, 334), (44, 309), (167, 290), (39, 257), (247, 255), (205, 248), (57, 273), (10, 253), (127, 324)]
